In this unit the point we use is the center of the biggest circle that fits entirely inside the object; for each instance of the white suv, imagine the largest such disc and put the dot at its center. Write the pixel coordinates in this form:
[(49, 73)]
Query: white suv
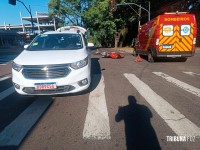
[(55, 62)]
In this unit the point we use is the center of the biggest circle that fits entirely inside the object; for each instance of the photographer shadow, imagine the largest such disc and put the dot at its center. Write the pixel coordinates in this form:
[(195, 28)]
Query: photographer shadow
[(139, 132)]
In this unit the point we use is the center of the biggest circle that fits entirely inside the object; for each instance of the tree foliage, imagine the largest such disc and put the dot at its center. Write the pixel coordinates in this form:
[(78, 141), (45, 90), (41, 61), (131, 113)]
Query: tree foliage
[(70, 11), (100, 23)]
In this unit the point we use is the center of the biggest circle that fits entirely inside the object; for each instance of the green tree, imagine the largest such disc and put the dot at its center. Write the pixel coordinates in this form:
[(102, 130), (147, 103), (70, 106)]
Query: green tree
[(91, 14), (70, 11), (100, 23)]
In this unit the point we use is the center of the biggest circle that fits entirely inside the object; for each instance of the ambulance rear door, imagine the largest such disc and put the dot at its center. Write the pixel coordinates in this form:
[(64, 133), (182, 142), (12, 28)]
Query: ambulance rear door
[(176, 35)]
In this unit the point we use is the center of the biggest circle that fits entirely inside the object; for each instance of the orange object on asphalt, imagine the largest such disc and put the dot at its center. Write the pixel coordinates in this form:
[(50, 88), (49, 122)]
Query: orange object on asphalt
[(121, 55), (115, 55)]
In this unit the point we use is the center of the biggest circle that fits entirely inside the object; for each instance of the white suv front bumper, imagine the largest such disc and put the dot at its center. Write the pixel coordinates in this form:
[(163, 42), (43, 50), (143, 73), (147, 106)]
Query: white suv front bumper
[(75, 81)]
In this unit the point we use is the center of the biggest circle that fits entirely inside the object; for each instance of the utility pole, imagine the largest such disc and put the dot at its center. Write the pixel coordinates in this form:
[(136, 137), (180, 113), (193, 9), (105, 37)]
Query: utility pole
[(149, 11), (139, 17), (29, 11), (13, 2)]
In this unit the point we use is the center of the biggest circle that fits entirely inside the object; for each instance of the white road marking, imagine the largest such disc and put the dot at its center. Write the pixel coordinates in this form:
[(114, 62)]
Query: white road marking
[(179, 83), (6, 93), (175, 120), (192, 74), (97, 125), (15, 132), (5, 77)]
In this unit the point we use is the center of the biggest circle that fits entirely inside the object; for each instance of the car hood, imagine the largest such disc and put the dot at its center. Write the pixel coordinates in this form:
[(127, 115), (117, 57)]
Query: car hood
[(50, 57)]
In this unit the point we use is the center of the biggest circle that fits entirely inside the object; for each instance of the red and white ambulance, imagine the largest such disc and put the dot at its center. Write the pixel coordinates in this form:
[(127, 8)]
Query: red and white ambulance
[(168, 35)]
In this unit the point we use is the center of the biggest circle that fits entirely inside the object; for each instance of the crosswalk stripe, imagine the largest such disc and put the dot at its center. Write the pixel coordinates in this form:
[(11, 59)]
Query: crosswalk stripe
[(179, 83), (6, 93), (192, 74), (175, 120), (97, 125), (15, 132), (5, 77)]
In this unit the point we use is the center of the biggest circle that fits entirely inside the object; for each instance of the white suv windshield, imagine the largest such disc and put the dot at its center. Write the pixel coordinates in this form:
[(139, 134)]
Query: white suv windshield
[(56, 42)]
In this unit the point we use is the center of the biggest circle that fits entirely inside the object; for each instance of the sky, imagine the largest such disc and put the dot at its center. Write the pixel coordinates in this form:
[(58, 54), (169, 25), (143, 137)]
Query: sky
[(10, 14)]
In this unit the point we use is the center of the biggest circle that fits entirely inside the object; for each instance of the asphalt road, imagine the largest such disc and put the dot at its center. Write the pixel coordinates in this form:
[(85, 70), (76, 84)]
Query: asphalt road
[(129, 106)]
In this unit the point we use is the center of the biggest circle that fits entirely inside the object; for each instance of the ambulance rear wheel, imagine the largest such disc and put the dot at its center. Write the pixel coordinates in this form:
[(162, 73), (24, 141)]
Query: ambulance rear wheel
[(150, 57)]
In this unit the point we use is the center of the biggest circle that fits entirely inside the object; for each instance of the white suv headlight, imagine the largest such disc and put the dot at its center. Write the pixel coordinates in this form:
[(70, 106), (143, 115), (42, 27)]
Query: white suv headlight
[(16, 66), (79, 64)]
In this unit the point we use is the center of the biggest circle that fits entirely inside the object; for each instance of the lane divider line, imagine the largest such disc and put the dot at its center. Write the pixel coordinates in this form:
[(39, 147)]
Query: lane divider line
[(97, 125), (192, 74), (15, 132), (6, 93), (174, 119), (179, 83)]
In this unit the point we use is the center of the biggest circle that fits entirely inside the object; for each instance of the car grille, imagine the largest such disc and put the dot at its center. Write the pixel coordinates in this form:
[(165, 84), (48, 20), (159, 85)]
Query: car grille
[(45, 71), (58, 90)]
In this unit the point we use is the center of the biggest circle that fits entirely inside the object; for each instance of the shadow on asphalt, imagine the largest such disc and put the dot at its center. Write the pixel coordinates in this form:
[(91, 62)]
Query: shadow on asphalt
[(138, 129)]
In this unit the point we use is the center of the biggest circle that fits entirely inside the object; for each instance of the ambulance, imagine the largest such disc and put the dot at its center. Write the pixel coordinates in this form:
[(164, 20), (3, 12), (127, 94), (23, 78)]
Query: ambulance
[(169, 35)]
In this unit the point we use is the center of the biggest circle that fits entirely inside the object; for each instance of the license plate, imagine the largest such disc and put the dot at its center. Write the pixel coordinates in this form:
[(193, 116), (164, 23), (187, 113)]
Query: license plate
[(166, 46), (173, 56), (45, 86)]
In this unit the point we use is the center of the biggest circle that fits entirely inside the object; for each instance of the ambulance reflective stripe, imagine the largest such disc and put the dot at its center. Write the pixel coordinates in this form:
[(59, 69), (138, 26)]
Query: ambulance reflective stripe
[(179, 41), (187, 46), (187, 40), (179, 46), (192, 31), (166, 40)]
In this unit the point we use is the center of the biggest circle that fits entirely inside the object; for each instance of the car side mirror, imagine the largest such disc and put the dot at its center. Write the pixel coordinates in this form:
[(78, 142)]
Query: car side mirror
[(26, 46)]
